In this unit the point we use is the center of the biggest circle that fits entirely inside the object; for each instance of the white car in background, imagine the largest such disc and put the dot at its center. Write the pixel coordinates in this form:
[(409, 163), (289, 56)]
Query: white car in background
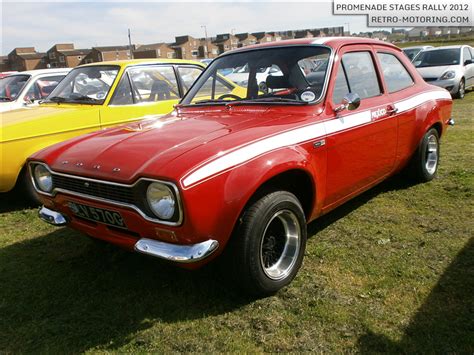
[(412, 52), (26, 88), (450, 67)]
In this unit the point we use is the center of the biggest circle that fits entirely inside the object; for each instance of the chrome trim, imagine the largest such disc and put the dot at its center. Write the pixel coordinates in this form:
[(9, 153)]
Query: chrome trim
[(112, 202), (52, 217), (451, 122), (177, 253)]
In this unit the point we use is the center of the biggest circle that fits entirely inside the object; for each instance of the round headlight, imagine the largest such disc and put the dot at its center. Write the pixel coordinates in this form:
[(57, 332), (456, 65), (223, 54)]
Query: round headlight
[(43, 178), (161, 200)]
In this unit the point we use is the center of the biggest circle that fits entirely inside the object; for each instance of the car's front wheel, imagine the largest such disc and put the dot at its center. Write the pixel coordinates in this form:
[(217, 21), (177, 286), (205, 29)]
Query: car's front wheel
[(424, 164), (268, 246), (461, 90)]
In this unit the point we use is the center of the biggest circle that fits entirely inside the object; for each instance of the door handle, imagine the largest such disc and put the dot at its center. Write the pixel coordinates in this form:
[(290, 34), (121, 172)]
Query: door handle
[(391, 110)]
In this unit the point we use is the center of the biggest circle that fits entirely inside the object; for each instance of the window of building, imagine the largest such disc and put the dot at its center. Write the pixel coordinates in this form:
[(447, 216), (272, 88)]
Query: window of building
[(358, 71), (214, 51), (52, 55), (170, 55), (395, 74), (158, 52), (62, 59), (194, 53)]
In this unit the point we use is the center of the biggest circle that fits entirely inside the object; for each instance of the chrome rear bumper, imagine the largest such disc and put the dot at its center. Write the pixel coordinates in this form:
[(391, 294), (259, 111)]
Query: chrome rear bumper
[(172, 252)]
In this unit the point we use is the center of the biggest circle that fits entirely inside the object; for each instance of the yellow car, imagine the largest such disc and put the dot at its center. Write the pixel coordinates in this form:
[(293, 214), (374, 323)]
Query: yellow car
[(91, 97)]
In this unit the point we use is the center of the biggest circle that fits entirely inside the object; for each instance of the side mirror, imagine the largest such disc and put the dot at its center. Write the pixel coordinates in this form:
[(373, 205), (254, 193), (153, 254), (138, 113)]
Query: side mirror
[(468, 61), (351, 101)]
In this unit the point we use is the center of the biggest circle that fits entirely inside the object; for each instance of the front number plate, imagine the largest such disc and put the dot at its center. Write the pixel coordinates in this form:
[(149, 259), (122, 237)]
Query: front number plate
[(111, 218)]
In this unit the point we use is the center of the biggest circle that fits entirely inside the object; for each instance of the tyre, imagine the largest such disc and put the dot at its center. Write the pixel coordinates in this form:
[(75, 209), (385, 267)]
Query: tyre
[(27, 188), (461, 90), (268, 247), (424, 164)]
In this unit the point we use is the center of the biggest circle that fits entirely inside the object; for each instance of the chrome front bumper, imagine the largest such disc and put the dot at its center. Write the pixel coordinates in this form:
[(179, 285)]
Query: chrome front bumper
[(177, 253), (52, 217), (173, 252)]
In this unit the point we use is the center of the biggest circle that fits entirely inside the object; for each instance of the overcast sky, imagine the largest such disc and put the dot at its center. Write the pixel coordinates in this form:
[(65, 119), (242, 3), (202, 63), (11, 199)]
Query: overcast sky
[(101, 23)]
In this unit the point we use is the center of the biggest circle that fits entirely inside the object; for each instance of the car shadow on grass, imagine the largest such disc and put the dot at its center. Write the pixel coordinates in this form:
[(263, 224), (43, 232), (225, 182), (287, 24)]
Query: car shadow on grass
[(63, 293), (444, 324), (394, 183), (14, 201)]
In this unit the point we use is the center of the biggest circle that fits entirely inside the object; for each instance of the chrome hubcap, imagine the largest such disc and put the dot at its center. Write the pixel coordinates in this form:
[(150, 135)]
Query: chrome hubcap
[(461, 88), (431, 154), (280, 245)]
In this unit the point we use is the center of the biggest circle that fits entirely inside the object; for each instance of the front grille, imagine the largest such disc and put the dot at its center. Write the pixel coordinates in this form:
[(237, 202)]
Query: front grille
[(95, 189), (430, 79)]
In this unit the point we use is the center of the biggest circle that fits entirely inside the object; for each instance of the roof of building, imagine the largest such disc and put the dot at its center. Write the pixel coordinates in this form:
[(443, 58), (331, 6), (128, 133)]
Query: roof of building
[(112, 48), (151, 46), (31, 55), (74, 52)]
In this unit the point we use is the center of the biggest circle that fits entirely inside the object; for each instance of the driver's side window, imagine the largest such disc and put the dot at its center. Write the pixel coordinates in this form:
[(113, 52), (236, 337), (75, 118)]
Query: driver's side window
[(357, 75)]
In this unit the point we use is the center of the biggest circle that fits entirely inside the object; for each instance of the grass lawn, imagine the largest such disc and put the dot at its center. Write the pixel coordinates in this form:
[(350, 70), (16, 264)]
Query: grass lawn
[(392, 270), (439, 42)]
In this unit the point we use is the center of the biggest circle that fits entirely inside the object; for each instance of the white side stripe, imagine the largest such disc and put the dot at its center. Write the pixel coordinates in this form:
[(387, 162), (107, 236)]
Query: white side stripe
[(253, 150), (417, 100), (225, 161)]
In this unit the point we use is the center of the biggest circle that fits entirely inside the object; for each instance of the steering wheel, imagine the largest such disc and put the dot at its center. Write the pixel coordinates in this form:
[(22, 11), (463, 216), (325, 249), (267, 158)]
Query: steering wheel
[(229, 96)]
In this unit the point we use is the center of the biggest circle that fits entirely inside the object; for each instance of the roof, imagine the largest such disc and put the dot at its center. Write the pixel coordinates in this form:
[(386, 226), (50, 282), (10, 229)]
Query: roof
[(75, 51), (151, 46), (43, 71), (31, 55), (334, 42), (446, 47), (130, 62), (111, 48)]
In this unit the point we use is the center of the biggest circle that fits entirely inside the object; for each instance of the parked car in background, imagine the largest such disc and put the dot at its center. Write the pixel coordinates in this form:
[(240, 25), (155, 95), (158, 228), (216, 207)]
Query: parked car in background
[(412, 52), (92, 97), (6, 73), (449, 67), (206, 61), (26, 88), (241, 174)]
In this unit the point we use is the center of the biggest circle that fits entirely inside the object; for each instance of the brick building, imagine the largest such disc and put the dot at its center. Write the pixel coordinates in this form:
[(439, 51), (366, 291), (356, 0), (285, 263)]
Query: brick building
[(226, 42), (186, 47), (109, 53), (245, 39), (154, 50), (64, 55), (26, 58)]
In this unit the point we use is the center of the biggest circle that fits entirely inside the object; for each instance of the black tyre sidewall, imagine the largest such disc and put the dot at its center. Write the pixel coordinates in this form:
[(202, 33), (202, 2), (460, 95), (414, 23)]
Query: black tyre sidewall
[(252, 232)]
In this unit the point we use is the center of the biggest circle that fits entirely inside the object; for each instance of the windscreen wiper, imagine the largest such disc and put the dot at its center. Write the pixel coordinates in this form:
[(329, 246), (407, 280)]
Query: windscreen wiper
[(56, 99), (272, 99), (84, 98)]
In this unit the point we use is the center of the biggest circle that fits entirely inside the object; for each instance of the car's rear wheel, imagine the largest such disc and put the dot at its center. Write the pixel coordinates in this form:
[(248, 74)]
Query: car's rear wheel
[(461, 90), (268, 246), (424, 164)]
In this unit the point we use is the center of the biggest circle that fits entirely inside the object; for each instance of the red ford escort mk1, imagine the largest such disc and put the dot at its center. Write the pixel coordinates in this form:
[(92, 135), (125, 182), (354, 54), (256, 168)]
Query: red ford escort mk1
[(244, 175)]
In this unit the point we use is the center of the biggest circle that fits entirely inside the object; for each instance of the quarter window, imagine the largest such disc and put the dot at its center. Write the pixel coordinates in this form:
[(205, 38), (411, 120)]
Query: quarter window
[(466, 55), (152, 84), (395, 75), (123, 93), (188, 76)]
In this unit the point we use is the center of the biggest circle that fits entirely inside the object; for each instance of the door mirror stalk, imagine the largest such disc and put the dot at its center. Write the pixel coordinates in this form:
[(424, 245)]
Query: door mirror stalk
[(351, 101)]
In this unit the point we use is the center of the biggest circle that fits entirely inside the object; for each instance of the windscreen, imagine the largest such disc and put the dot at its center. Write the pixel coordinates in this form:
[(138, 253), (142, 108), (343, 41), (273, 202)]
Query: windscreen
[(291, 74), (11, 86), (438, 57), (89, 85)]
